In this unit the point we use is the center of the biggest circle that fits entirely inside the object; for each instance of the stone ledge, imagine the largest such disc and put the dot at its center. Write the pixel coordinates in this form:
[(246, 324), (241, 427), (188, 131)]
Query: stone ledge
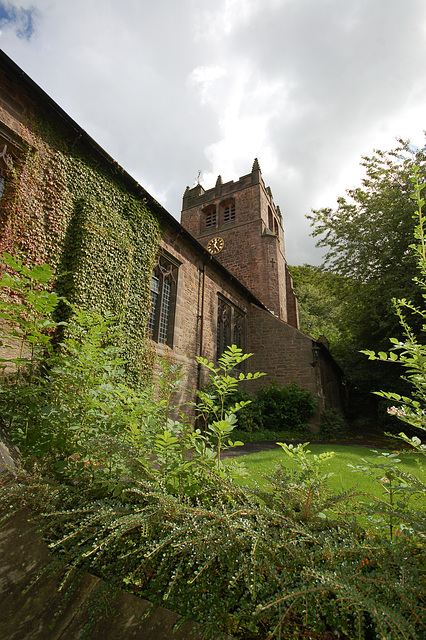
[(27, 612)]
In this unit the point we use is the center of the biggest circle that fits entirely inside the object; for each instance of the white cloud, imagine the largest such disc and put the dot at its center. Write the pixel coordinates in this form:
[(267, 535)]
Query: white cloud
[(216, 21), (204, 78)]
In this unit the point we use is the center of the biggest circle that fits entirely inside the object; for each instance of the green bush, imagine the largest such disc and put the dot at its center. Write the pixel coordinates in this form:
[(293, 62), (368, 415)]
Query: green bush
[(248, 418), (281, 408), (274, 408), (333, 424)]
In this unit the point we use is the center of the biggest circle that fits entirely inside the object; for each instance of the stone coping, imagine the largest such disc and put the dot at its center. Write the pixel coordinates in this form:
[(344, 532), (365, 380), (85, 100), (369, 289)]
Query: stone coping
[(27, 608)]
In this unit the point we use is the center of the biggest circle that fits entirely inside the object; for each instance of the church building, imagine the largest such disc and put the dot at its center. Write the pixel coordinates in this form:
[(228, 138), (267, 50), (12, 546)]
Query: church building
[(216, 278)]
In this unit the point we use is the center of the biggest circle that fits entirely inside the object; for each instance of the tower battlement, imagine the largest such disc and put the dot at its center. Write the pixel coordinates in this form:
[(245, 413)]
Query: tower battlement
[(198, 195)]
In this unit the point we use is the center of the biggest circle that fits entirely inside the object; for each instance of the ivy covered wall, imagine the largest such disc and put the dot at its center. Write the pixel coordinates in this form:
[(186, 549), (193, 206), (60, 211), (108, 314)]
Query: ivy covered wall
[(66, 205)]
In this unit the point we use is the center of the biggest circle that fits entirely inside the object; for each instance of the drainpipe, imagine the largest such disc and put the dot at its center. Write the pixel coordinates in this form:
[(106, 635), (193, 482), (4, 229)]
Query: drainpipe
[(201, 319)]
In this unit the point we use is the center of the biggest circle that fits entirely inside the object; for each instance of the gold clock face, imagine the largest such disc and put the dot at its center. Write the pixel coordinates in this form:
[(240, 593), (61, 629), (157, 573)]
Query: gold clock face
[(215, 245)]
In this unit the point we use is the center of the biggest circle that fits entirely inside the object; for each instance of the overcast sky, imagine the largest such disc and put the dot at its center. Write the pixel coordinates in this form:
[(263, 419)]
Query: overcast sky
[(172, 87)]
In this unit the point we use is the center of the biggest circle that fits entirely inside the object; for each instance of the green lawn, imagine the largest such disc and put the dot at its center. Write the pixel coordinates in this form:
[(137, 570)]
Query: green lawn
[(343, 479)]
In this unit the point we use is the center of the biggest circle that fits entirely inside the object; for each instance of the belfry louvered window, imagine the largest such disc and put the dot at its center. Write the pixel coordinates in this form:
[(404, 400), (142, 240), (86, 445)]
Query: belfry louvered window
[(229, 213), (230, 326), (163, 299), (228, 210), (210, 216)]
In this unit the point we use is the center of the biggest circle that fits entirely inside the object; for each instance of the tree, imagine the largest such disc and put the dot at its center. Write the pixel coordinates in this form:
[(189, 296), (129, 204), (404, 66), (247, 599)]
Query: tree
[(411, 352), (367, 238), (325, 305)]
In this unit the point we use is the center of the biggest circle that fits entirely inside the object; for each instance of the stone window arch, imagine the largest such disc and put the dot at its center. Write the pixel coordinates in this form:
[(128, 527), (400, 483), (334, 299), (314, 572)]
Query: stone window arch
[(228, 210), (230, 326), (163, 300), (209, 216), (270, 219)]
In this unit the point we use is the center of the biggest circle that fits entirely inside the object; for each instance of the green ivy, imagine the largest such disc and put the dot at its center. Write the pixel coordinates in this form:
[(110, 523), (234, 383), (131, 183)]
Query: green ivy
[(64, 206)]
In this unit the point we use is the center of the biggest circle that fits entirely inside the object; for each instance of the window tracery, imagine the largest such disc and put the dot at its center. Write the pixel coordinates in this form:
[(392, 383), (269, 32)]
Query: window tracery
[(163, 301), (230, 326)]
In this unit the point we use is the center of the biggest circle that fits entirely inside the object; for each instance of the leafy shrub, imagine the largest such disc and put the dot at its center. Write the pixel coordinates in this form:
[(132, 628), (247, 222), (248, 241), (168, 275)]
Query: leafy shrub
[(333, 424), (248, 418), (274, 408), (281, 408), (250, 564)]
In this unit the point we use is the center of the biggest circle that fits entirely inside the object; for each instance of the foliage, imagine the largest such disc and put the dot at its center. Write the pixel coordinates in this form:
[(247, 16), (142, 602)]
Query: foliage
[(65, 403), (115, 492), (26, 314), (65, 206), (284, 407), (325, 302), (264, 461), (213, 407), (77, 415), (410, 352), (310, 473), (367, 239), (248, 417), (273, 409), (333, 424), (391, 512), (242, 562), (370, 232)]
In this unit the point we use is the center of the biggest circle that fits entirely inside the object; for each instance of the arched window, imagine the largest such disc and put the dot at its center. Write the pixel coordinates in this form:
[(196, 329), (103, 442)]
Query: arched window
[(210, 216), (270, 219), (230, 326), (163, 300), (6, 163), (228, 210)]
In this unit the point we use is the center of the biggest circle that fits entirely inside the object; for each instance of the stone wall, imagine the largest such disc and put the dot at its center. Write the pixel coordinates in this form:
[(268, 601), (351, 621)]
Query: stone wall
[(199, 284), (28, 608), (281, 351), (285, 353)]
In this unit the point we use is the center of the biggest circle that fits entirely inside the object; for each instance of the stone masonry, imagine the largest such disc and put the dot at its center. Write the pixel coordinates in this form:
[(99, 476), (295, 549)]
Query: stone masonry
[(244, 215)]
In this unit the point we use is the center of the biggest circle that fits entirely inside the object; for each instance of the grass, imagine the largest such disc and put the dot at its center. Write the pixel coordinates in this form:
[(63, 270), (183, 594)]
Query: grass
[(343, 478)]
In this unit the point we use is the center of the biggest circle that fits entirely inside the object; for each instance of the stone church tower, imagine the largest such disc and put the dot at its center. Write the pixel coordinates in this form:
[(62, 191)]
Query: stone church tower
[(242, 228)]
